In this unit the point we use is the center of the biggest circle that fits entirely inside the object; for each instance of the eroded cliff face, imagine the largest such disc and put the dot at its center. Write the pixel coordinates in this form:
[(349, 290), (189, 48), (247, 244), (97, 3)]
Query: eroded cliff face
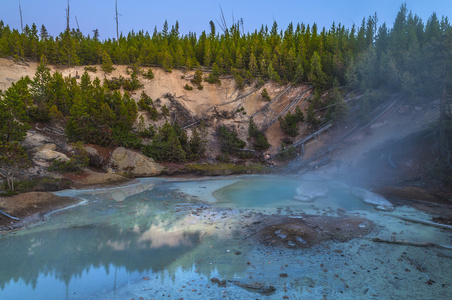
[(215, 104)]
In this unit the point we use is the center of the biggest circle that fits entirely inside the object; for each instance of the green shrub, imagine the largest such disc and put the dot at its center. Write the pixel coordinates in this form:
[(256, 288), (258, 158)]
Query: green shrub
[(78, 161), (290, 122), (287, 154), (124, 138), (261, 142), (165, 111), (214, 76), (114, 83), (223, 157), (133, 83), (265, 95), (148, 132), (146, 104), (166, 145), (311, 117), (197, 78), (149, 74), (91, 69), (188, 88)]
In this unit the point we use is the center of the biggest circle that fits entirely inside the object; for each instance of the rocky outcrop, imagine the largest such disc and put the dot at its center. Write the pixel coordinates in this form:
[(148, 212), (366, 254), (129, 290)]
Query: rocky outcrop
[(46, 153), (34, 139), (96, 159), (136, 164)]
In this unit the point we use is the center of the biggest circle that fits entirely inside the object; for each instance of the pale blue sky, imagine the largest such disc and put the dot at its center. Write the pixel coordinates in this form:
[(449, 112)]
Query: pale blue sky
[(195, 15)]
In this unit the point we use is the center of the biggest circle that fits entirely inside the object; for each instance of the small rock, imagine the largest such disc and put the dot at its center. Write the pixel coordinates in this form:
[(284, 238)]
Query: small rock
[(283, 275)]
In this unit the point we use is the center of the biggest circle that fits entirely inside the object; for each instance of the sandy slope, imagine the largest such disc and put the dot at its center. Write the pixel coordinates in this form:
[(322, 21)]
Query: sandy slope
[(218, 102)]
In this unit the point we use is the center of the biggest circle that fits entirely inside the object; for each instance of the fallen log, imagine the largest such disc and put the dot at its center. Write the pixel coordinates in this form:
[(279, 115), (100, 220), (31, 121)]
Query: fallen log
[(266, 106), (428, 223), (9, 216), (414, 244), (304, 140), (194, 123), (240, 97)]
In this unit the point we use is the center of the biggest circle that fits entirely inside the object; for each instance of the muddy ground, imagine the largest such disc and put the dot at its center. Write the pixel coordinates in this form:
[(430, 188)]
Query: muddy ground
[(30, 208)]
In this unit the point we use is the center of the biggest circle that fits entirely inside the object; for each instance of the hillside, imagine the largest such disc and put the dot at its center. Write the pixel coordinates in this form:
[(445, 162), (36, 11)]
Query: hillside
[(345, 145), (391, 151), (215, 104)]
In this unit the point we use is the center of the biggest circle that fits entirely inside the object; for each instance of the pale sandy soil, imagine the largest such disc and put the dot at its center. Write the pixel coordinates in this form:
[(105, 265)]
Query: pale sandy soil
[(210, 102)]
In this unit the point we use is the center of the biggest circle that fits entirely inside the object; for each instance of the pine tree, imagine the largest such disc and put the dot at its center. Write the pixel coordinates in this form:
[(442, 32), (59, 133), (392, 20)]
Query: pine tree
[(252, 66), (13, 159), (214, 76), (15, 105), (107, 64), (197, 145), (316, 74)]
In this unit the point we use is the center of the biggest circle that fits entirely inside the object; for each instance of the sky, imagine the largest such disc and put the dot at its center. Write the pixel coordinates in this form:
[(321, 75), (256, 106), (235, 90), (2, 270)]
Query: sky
[(194, 15)]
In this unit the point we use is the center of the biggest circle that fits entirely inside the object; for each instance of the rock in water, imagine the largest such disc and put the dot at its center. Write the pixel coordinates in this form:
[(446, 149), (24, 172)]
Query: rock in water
[(134, 163)]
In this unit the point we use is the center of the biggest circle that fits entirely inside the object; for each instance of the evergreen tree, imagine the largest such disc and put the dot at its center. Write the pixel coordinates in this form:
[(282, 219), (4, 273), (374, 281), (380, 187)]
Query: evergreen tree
[(197, 145), (107, 64), (15, 104), (214, 76), (13, 159), (229, 140), (316, 74), (260, 142), (290, 121)]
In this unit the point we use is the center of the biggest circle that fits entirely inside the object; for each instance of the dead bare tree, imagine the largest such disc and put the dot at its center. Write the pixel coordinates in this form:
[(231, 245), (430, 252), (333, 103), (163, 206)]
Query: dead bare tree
[(76, 21), (241, 24), (117, 21), (67, 16), (21, 23), (222, 22)]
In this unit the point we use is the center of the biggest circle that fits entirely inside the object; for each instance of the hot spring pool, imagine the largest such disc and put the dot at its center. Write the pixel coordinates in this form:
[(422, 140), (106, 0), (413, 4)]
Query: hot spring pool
[(166, 239)]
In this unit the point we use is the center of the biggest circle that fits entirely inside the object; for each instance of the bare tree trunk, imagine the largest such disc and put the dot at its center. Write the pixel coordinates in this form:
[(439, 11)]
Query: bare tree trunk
[(117, 26), (78, 27), (67, 16), (442, 118), (21, 23)]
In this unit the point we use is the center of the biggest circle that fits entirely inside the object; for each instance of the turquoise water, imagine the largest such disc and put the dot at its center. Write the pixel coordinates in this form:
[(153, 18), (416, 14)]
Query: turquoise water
[(167, 238), (265, 192)]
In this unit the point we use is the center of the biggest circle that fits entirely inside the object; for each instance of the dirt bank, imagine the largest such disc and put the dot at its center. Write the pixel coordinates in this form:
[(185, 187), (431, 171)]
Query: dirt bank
[(33, 206), (30, 208)]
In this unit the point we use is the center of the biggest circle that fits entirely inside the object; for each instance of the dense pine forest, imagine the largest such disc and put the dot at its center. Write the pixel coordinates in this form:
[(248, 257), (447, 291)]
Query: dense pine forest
[(411, 57), (403, 58)]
